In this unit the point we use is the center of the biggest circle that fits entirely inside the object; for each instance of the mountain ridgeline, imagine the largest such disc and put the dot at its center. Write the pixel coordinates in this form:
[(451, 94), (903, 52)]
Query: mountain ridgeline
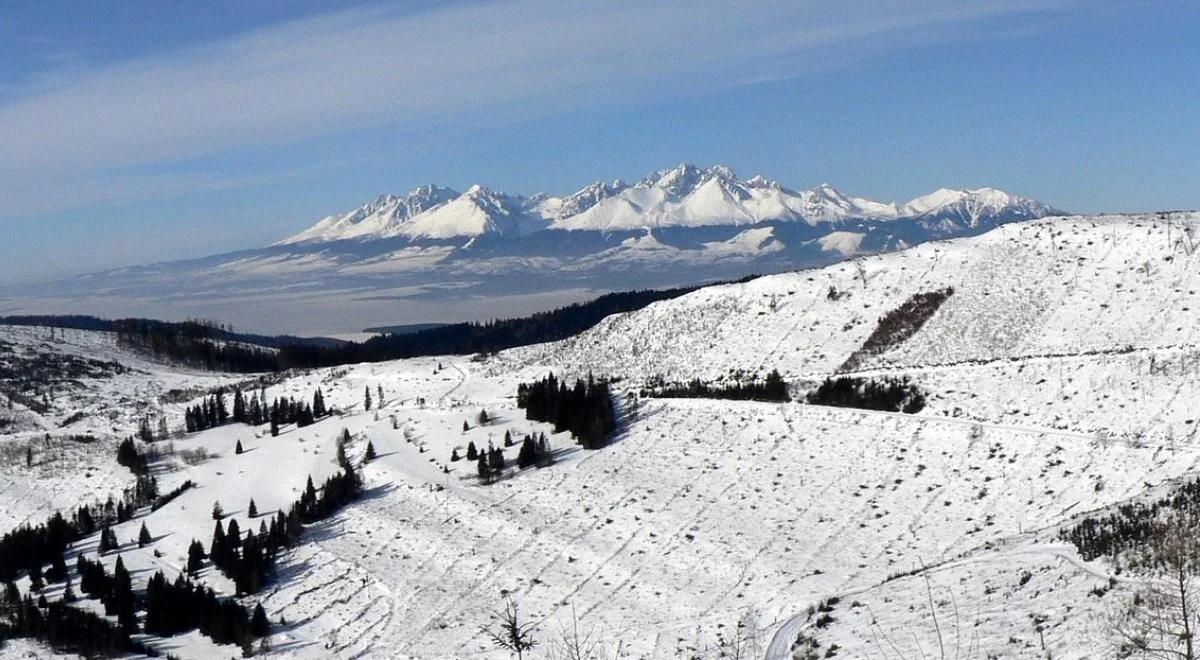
[(480, 250), (206, 345)]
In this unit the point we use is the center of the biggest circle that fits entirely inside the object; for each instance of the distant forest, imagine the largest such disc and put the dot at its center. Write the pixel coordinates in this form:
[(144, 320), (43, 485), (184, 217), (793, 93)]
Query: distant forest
[(206, 345)]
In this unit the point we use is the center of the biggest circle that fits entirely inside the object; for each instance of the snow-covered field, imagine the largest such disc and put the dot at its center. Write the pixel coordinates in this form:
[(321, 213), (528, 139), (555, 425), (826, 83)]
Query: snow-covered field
[(1059, 374)]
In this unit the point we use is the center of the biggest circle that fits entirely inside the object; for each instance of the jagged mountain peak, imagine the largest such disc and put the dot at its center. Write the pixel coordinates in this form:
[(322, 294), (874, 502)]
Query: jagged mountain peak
[(685, 195)]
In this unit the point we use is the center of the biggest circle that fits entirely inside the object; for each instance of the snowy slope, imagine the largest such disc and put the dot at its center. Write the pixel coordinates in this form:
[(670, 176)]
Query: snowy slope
[(1035, 305), (701, 514), (106, 404), (1060, 376)]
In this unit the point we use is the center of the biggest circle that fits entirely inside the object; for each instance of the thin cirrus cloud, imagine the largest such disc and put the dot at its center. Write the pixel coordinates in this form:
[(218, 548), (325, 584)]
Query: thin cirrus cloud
[(351, 70)]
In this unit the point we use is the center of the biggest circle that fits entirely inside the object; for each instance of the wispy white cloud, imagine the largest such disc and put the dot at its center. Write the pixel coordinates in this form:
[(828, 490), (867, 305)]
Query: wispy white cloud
[(351, 70)]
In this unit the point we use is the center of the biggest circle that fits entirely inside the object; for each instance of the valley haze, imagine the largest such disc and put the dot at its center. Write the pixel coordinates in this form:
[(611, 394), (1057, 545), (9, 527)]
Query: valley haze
[(438, 255)]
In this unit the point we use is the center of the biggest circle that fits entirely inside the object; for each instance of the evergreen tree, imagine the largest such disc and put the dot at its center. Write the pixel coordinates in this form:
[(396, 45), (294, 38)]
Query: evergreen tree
[(28, 456), (144, 537), (472, 452), (483, 418), (108, 540), (496, 460), (454, 457), (239, 406), (123, 595), (342, 441), (466, 427), (238, 449), (259, 625), (367, 398), (195, 557), (217, 512), (485, 474), (233, 536), (318, 403), (370, 453), (58, 567), (252, 510), (36, 582), (218, 549)]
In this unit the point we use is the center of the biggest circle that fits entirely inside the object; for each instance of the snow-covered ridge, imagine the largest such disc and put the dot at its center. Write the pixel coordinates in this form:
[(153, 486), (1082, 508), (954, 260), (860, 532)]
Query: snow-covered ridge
[(683, 196)]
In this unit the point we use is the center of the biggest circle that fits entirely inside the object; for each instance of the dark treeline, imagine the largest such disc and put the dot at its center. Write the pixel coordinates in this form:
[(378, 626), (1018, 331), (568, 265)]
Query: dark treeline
[(464, 338), (898, 325), (171, 608), (888, 394), (129, 456), (180, 606), (586, 410), (286, 410), (213, 411), (205, 345), (771, 388), (64, 628), (166, 498), (1132, 525), (115, 591), (195, 343)]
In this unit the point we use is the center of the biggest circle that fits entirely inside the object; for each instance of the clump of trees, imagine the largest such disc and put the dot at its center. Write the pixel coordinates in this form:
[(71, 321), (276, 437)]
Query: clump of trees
[(180, 606), (887, 394), (895, 327), (1154, 543), (212, 411), (534, 452), (770, 388), (64, 628), (585, 409), (1133, 525), (200, 344), (250, 561)]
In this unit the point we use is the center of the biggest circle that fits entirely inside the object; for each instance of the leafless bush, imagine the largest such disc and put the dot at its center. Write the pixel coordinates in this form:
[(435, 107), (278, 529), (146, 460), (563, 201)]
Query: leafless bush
[(195, 456)]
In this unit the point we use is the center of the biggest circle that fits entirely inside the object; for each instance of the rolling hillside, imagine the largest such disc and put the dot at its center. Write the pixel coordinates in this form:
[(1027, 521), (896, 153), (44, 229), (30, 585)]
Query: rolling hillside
[(1056, 356)]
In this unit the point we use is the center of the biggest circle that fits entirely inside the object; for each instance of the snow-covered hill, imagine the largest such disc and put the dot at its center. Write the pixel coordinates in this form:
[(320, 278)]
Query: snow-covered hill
[(1033, 304), (1060, 374)]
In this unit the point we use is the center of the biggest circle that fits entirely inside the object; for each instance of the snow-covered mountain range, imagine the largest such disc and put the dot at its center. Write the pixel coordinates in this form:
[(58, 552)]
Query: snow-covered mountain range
[(401, 258), (684, 196)]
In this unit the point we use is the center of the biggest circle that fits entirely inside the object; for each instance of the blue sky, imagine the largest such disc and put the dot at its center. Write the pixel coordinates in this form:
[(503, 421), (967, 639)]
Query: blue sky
[(159, 130)]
